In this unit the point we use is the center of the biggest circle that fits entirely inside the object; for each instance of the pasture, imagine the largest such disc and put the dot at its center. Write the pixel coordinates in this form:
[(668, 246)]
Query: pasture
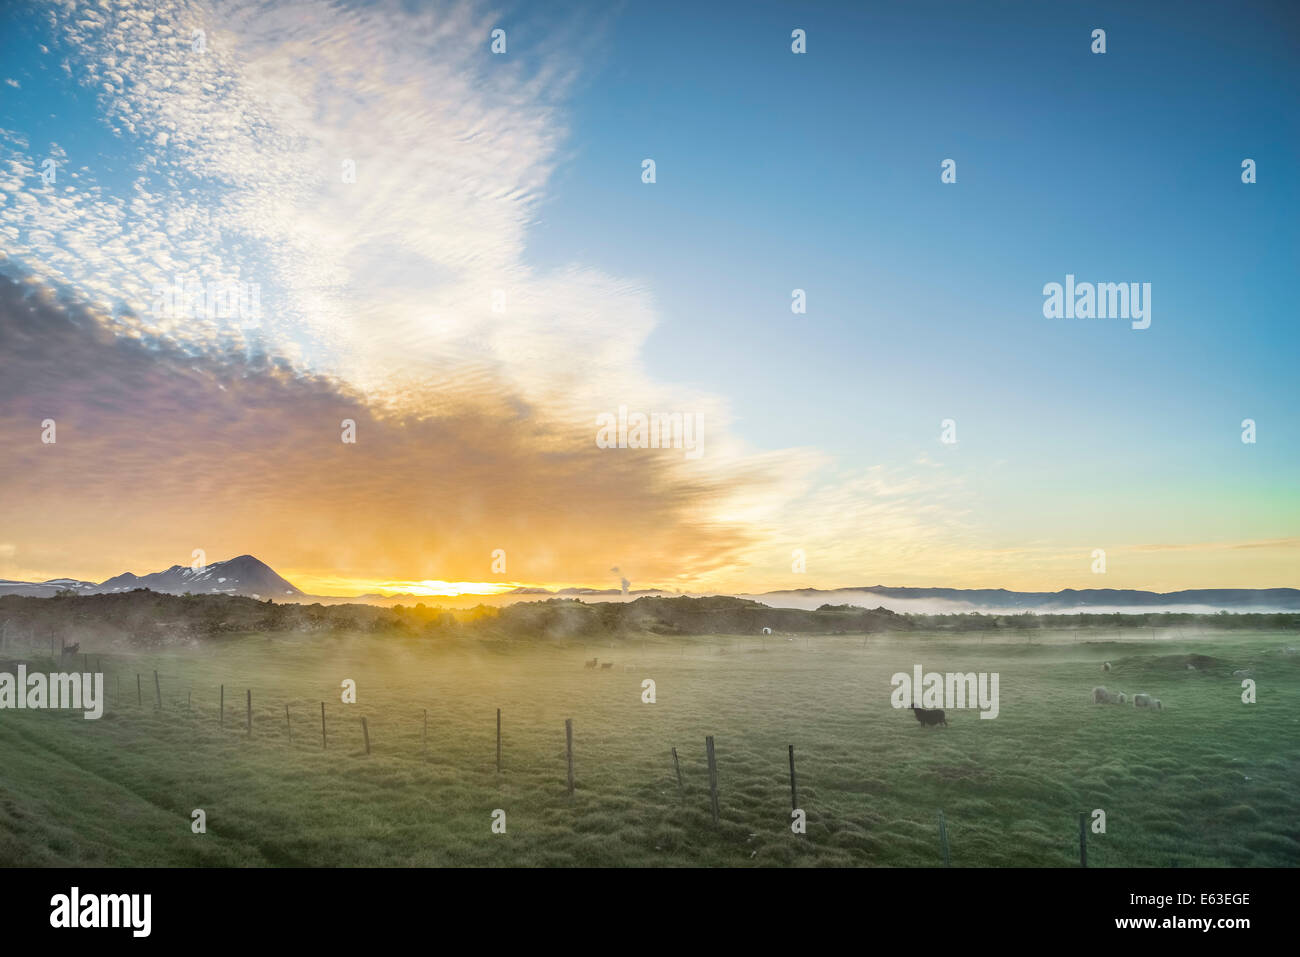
[(1207, 781)]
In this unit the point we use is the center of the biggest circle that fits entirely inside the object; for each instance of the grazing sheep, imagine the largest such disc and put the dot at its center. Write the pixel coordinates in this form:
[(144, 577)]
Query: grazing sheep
[(591, 663), (1101, 696), (606, 665), (1105, 666), (1121, 698), (1147, 701), (930, 716)]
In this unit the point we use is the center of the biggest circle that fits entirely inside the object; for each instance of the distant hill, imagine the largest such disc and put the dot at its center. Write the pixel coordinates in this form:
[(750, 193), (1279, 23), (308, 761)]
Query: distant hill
[(245, 576), (144, 618), (1066, 601)]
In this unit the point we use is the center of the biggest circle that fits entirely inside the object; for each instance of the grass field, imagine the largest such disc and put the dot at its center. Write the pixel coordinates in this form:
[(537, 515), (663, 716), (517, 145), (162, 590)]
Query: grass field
[(1207, 781)]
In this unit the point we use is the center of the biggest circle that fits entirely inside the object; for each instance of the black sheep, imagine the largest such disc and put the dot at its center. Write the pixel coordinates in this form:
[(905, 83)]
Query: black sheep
[(930, 716)]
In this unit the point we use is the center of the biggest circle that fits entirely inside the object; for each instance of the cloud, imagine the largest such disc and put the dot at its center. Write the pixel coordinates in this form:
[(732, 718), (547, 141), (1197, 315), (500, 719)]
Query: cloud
[(403, 300), (161, 449)]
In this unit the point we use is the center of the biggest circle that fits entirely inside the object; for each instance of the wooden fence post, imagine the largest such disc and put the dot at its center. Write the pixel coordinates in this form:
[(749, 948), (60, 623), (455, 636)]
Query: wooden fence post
[(221, 715), (713, 777), (188, 695), (943, 840), (322, 725), (794, 786), (250, 712), (681, 788), (1083, 839), (568, 747), (425, 739), (287, 723), (139, 695), (498, 740), (157, 688), (365, 731)]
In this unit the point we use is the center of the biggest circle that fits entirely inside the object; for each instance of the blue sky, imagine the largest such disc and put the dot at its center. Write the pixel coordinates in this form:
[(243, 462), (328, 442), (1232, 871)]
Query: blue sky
[(775, 171), (822, 172)]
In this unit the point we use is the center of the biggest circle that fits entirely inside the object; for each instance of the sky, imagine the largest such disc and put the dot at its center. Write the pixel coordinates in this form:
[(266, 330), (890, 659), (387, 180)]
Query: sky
[(496, 275)]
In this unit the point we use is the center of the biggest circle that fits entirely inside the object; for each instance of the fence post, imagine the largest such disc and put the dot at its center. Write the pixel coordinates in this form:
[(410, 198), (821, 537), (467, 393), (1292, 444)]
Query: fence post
[(287, 723), (1083, 839), (365, 731), (794, 786), (713, 777), (157, 688), (221, 715), (322, 725), (498, 740), (568, 747), (681, 788), (425, 740), (943, 840), (250, 712), (139, 695)]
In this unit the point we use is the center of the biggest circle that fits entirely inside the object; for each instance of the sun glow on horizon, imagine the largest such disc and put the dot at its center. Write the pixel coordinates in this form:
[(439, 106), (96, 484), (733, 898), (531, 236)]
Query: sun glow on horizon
[(428, 587)]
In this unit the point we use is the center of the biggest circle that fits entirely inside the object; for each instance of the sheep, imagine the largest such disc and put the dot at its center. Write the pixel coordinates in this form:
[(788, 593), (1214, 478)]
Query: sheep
[(591, 663), (606, 665), (930, 716), (1105, 666), (1101, 696), (1147, 701)]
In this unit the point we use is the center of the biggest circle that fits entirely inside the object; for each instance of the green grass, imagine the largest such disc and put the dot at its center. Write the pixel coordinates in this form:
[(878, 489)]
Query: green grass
[(1208, 781)]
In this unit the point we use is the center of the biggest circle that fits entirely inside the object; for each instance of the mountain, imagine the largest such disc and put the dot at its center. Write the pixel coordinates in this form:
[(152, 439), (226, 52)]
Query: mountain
[(244, 575), (46, 589), (1002, 601)]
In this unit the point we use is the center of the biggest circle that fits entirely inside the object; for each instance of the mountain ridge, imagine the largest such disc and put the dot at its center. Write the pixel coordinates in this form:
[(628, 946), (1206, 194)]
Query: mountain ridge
[(250, 577)]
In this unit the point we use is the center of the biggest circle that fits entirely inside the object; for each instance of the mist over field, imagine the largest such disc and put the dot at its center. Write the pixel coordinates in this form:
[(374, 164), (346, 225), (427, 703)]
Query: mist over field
[(1203, 780)]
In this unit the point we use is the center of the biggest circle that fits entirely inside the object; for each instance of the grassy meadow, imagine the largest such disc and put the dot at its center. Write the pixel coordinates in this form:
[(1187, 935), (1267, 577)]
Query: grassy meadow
[(1207, 781)]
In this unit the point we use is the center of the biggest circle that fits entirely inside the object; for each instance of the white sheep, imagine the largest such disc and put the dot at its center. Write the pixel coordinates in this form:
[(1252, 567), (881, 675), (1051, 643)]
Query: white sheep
[(1101, 696), (1105, 666), (1147, 701)]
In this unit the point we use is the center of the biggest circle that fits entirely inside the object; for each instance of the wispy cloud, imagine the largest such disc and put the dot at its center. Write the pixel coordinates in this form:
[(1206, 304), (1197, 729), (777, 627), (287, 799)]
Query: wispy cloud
[(403, 300)]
